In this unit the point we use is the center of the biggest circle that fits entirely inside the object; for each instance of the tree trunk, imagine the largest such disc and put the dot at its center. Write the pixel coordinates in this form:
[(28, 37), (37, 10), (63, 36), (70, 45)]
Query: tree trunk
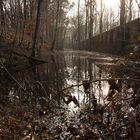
[(130, 10), (122, 12), (47, 28), (36, 28), (101, 17), (138, 4), (1, 13), (86, 20), (79, 24), (91, 22), (24, 22), (122, 24), (56, 26)]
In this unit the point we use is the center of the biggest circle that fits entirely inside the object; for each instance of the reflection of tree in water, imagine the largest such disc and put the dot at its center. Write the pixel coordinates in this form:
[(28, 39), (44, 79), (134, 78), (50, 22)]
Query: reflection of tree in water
[(54, 76), (85, 70), (77, 69)]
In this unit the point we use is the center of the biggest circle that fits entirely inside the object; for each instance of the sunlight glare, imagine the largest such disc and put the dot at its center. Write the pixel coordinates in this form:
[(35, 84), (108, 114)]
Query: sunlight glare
[(111, 3)]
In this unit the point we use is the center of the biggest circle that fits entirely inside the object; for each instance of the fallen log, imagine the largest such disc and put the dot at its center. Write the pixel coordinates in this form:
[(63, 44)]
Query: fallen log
[(29, 57)]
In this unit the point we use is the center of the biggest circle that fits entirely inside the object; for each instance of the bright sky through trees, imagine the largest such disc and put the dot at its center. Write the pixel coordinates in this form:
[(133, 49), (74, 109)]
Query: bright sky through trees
[(108, 4), (111, 3)]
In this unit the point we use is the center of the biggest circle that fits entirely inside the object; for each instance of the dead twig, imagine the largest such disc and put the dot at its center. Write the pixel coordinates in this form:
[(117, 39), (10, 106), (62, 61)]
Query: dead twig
[(12, 77), (38, 82)]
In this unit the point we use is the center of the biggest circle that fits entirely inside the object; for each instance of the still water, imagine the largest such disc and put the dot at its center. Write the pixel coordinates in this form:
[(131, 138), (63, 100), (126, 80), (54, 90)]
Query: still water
[(64, 69), (69, 88), (68, 68)]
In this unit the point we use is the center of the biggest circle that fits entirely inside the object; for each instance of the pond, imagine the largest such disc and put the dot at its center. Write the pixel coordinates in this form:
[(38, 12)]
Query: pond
[(70, 84), (65, 69)]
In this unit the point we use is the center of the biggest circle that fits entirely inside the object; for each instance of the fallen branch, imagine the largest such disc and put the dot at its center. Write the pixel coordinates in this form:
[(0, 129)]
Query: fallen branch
[(30, 57), (12, 77), (39, 83)]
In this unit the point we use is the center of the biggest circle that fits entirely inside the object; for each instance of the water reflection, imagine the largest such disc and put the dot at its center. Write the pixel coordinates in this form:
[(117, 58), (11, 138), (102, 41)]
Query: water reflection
[(63, 70), (48, 92)]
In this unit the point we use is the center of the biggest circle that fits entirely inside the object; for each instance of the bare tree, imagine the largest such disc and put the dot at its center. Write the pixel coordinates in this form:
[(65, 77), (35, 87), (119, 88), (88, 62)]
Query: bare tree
[(130, 10), (138, 3), (79, 33), (122, 24), (87, 16), (91, 18), (24, 20), (122, 12), (56, 25), (1, 13), (36, 28), (101, 17)]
